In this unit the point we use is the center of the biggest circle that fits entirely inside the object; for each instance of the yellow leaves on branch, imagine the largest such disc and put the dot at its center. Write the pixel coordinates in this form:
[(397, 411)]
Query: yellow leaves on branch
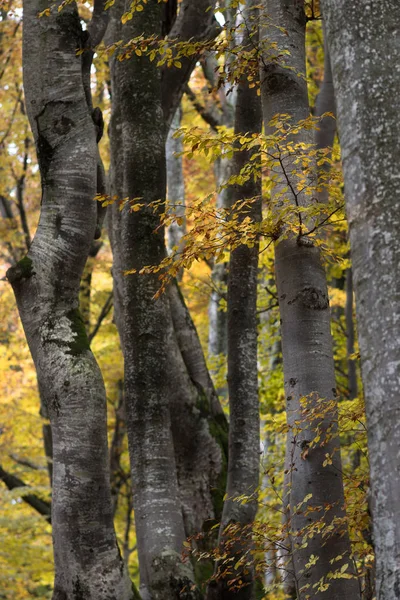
[(243, 59), (216, 231)]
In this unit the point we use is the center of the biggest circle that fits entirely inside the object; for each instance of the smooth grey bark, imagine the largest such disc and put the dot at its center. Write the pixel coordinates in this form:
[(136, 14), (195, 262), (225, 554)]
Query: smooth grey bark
[(236, 577), (158, 515), (325, 133), (364, 46), (175, 461), (192, 353), (86, 284), (306, 337), (46, 285), (325, 102)]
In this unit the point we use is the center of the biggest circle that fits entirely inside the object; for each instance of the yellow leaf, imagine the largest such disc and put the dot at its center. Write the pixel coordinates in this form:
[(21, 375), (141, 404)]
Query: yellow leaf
[(126, 17)]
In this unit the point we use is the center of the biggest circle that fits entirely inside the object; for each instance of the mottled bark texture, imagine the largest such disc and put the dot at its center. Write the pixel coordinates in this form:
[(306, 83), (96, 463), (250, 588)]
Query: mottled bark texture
[(235, 575), (46, 285), (175, 458), (158, 515), (306, 339), (364, 45)]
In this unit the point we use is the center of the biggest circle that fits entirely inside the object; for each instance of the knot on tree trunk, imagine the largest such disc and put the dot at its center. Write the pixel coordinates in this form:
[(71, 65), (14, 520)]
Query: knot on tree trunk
[(312, 297), (22, 270)]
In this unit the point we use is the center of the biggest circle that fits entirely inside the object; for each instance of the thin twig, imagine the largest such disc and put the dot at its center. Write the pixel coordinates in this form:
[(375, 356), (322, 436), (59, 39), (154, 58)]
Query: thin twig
[(103, 314)]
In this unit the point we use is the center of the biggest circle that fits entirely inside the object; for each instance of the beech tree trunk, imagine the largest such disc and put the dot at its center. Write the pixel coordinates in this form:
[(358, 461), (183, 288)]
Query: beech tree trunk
[(46, 282), (158, 515), (306, 338), (365, 54), (236, 577), (325, 133), (176, 459)]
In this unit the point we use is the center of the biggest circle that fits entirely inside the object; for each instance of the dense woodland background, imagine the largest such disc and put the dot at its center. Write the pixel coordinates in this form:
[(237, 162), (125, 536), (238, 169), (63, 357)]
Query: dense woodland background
[(216, 157)]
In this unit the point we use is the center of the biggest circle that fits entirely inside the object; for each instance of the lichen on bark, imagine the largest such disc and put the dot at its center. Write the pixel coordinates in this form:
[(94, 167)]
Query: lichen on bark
[(81, 341)]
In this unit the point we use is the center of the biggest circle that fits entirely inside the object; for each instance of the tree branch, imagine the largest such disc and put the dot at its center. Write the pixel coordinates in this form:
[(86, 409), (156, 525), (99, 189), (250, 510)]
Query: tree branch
[(27, 463), (95, 33), (207, 115), (20, 195), (98, 23), (196, 23), (12, 482), (104, 312)]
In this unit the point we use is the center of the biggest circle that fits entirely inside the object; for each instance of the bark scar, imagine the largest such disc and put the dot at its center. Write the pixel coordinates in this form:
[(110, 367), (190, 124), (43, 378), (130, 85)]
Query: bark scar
[(312, 297)]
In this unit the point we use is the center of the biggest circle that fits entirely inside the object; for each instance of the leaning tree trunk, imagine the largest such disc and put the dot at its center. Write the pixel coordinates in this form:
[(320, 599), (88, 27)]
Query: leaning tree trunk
[(365, 54), (316, 488), (46, 285)]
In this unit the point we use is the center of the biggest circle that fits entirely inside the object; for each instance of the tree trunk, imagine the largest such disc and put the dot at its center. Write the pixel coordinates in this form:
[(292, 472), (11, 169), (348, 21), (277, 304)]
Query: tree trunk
[(351, 363), (325, 133), (46, 285), (306, 338), (158, 515), (236, 577), (176, 462), (364, 49), (176, 185)]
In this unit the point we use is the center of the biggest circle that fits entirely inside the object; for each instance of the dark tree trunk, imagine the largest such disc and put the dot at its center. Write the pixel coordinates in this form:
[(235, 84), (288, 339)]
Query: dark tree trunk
[(235, 576)]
